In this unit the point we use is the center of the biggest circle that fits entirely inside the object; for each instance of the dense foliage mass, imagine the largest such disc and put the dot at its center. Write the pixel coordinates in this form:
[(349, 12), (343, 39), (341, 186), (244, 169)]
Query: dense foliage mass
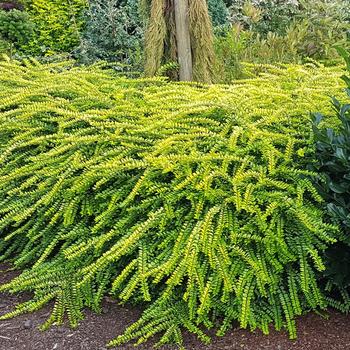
[(58, 24), (264, 16), (258, 31), (193, 200), (333, 166), (333, 157), (219, 12), (16, 29), (270, 31), (113, 32)]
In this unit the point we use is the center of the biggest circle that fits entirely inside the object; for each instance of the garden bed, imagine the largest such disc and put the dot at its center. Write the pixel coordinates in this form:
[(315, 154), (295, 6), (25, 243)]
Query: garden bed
[(21, 333), (202, 212)]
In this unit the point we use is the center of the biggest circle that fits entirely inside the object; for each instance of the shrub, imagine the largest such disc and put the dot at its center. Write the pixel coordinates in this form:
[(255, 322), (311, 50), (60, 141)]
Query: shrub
[(236, 45), (293, 31), (327, 26), (15, 30), (190, 199), (57, 26), (276, 48), (218, 12), (264, 16), (113, 32), (333, 164), (229, 48)]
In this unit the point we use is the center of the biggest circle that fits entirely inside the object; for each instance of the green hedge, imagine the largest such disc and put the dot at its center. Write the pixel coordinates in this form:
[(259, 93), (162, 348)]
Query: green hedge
[(190, 200)]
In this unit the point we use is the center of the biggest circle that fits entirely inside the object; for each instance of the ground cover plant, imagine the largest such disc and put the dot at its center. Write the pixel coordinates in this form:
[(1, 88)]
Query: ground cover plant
[(193, 201)]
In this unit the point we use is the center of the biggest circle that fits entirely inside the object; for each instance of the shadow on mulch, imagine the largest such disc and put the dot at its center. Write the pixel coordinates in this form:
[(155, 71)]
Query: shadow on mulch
[(21, 333)]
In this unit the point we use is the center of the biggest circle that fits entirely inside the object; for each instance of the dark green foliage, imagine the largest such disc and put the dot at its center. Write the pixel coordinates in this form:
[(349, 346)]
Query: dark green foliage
[(333, 157), (277, 16), (16, 29), (333, 164), (218, 12), (113, 32), (263, 16), (192, 200)]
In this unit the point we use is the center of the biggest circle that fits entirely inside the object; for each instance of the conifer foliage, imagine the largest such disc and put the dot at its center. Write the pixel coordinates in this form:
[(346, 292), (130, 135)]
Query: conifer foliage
[(190, 199)]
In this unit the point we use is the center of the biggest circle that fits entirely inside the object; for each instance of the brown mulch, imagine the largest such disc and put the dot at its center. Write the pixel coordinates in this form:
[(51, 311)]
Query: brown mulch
[(21, 333)]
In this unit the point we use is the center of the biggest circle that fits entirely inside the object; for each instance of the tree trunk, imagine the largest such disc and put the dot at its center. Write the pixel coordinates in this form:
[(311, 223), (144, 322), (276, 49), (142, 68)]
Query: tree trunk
[(183, 39)]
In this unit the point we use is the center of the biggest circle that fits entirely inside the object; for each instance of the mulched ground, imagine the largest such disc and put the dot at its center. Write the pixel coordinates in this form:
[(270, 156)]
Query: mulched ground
[(21, 333)]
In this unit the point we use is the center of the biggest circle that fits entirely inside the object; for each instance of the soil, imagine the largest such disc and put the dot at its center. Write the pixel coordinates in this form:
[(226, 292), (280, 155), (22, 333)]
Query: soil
[(314, 332)]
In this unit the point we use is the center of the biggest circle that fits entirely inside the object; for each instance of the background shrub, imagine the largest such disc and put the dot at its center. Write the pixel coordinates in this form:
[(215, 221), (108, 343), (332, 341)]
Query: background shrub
[(259, 31), (113, 32), (326, 26), (58, 24), (237, 45), (16, 30), (291, 32), (333, 164), (264, 16), (219, 12)]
